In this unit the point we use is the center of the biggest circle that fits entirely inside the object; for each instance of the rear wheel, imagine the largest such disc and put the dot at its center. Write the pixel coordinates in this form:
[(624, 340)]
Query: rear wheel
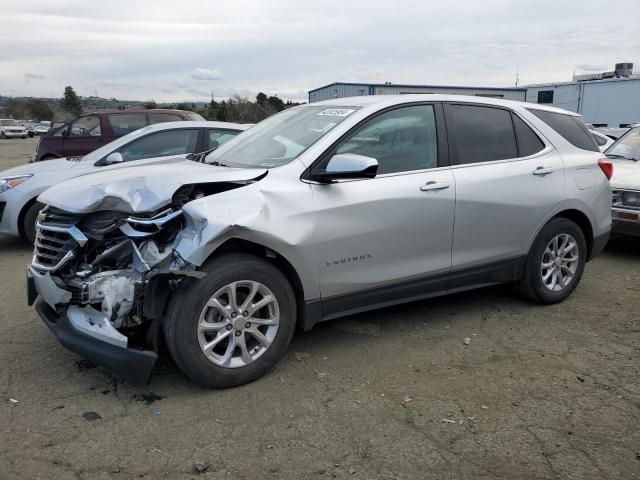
[(232, 326), (555, 263), (29, 222)]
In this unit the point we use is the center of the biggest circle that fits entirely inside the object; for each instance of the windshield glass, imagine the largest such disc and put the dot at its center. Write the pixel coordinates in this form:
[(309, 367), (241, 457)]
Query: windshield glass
[(281, 138), (9, 123), (627, 147)]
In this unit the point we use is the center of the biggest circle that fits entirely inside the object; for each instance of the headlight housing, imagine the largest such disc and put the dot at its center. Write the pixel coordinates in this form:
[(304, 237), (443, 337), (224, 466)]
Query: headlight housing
[(9, 182), (632, 199)]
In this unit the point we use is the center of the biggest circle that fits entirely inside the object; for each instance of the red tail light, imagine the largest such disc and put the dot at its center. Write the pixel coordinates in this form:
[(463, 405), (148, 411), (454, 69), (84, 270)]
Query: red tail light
[(607, 167)]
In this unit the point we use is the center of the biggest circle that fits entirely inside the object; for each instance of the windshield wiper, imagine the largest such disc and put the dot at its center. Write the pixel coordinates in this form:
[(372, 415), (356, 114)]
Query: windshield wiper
[(218, 164), (615, 155)]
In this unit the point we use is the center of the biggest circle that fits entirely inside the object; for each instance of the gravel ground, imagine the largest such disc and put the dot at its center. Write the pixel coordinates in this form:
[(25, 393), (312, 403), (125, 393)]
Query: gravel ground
[(539, 392)]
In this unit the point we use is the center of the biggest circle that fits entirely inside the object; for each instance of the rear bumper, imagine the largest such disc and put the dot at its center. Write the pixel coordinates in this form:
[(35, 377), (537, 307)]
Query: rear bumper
[(134, 366)]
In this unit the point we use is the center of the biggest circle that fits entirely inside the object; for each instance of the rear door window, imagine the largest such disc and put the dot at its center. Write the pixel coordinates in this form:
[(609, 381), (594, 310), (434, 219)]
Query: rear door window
[(572, 129), (482, 134), (163, 117), (161, 144), (528, 142), (123, 123)]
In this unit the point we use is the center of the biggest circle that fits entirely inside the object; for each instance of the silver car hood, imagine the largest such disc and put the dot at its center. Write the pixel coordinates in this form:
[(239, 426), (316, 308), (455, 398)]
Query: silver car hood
[(626, 175), (137, 189)]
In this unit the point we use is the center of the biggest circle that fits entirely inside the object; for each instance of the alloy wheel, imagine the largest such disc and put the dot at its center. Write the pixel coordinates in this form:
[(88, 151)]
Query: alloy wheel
[(238, 324), (560, 262)]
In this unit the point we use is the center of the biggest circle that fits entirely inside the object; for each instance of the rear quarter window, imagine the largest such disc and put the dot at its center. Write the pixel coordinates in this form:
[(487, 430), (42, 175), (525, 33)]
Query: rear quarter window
[(123, 123), (571, 128)]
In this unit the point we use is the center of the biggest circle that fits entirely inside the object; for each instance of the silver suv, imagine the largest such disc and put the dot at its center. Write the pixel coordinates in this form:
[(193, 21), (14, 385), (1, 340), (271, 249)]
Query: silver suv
[(321, 211)]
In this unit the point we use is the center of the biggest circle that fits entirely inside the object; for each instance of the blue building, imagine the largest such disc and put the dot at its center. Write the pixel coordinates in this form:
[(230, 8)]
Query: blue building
[(341, 90)]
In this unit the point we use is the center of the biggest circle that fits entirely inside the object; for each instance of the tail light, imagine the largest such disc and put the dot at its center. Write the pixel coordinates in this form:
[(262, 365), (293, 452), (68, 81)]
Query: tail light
[(607, 167)]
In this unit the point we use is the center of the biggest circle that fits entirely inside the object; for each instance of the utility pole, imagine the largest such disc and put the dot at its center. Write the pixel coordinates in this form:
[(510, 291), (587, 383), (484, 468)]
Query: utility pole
[(517, 75)]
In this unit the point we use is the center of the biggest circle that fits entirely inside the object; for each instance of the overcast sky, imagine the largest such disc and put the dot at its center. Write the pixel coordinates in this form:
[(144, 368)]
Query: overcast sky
[(172, 50)]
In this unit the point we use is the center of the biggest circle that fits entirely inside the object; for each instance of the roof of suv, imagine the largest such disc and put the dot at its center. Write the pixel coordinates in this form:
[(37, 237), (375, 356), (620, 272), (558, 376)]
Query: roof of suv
[(369, 100), (143, 110)]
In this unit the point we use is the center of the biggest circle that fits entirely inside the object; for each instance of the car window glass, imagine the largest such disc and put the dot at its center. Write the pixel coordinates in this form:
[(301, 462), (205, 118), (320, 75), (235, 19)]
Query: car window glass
[(482, 134), (163, 117), (219, 137), (123, 123), (161, 144), (87, 126), (599, 140), (528, 142), (572, 128), (401, 140), (627, 146)]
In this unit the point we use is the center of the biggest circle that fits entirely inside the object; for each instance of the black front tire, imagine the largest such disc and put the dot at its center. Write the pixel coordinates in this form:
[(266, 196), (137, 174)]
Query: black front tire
[(183, 314), (29, 222), (531, 283)]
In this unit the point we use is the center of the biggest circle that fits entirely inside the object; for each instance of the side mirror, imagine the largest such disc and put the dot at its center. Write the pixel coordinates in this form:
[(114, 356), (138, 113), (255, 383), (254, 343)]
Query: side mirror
[(113, 158), (347, 166)]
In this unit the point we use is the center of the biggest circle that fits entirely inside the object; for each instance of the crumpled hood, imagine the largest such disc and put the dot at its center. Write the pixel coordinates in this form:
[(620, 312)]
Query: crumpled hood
[(39, 167), (626, 175), (137, 189)]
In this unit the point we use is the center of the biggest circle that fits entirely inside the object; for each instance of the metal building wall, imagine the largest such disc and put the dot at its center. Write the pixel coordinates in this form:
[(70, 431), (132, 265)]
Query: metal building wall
[(612, 103), (507, 94), (341, 90)]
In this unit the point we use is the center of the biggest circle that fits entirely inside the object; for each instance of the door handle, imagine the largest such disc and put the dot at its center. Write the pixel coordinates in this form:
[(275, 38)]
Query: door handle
[(542, 171), (434, 186)]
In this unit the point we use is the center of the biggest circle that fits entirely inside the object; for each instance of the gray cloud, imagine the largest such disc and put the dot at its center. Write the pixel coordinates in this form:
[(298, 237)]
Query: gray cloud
[(33, 76), (287, 47), (205, 74)]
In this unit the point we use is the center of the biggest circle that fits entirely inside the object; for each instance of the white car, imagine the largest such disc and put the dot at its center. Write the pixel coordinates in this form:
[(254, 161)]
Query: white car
[(11, 129), (625, 184), (602, 140), (41, 129), (168, 142)]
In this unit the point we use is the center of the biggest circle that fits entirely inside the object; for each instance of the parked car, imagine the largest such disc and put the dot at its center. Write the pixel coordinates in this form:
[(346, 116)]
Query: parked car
[(612, 133), (602, 140), (625, 184), (41, 129), (318, 212), (29, 127), (159, 143), (11, 129), (91, 131)]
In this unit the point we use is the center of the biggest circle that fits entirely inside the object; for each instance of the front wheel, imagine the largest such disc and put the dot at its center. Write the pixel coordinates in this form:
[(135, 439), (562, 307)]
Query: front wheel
[(232, 326), (555, 262), (29, 222)]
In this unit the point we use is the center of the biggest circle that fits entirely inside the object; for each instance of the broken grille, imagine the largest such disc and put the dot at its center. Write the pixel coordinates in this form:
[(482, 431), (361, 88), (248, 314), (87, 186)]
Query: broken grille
[(56, 239)]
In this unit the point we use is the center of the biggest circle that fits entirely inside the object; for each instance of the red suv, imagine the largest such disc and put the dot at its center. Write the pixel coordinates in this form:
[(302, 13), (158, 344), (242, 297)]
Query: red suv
[(89, 132)]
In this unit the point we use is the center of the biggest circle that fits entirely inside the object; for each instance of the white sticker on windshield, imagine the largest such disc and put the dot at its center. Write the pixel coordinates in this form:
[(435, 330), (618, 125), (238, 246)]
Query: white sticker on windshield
[(337, 112)]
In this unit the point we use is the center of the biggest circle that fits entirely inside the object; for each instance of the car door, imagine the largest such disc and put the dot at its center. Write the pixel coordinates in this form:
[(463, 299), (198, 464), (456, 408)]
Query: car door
[(82, 136), (397, 227), (508, 179)]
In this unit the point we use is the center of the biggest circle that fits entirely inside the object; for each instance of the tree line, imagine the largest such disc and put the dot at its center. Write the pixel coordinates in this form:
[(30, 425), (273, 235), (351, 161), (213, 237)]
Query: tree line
[(236, 109)]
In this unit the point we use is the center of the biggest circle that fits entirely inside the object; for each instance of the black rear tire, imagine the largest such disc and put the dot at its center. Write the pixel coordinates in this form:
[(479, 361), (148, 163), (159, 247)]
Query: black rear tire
[(29, 222), (183, 314), (531, 283)]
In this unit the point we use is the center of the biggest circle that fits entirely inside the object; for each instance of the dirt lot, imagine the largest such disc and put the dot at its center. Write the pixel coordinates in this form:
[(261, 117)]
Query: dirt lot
[(540, 392)]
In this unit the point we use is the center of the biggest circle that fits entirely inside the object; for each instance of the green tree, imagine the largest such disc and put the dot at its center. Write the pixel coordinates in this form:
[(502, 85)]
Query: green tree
[(71, 102), (184, 106), (39, 110), (276, 103), (261, 98), (221, 115), (150, 104)]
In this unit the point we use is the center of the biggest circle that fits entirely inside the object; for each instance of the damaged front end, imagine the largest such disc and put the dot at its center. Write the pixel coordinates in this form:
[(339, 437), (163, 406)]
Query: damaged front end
[(101, 282)]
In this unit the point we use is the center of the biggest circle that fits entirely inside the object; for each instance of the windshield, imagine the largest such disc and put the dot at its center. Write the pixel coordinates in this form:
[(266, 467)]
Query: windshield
[(9, 123), (279, 139), (627, 146)]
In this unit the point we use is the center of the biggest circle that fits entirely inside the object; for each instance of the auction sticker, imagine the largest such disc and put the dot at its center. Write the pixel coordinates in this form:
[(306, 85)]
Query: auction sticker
[(337, 112)]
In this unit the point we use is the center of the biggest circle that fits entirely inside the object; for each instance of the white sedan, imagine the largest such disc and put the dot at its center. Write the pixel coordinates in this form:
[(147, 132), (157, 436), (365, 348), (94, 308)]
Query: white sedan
[(168, 142)]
